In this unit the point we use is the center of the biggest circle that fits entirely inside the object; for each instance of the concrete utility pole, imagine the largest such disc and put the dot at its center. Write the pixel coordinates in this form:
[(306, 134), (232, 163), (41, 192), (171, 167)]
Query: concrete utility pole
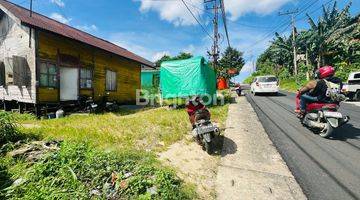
[(31, 7), (30, 29), (292, 13), (215, 50)]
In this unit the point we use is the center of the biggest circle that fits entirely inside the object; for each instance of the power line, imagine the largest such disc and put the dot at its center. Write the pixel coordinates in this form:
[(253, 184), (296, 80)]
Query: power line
[(209, 14), (196, 19), (292, 14), (286, 23), (224, 20), (215, 48), (317, 9)]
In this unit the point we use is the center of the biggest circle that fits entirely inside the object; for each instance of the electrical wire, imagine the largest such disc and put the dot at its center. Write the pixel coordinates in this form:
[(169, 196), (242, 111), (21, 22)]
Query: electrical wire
[(196, 19), (224, 21), (315, 10), (269, 34)]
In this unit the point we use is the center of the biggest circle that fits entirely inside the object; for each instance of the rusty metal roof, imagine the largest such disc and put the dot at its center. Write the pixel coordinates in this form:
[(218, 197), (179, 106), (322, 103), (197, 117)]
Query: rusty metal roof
[(42, 22)]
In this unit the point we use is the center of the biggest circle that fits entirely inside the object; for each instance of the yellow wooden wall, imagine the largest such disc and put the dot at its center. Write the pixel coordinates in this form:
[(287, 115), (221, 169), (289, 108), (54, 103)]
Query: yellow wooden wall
[(128, 72)]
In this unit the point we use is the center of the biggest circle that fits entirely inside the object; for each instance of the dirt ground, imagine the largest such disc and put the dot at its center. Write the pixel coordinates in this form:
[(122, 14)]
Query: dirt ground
[(194, 165)]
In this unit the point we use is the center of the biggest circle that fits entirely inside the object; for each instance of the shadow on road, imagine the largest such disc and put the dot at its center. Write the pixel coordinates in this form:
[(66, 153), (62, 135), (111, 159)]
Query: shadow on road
[(348, 131), (224, 146)]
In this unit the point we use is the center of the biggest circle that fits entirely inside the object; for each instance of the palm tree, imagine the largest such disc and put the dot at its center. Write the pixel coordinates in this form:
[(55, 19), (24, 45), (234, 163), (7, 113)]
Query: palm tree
[(327, 27), (281, 51)]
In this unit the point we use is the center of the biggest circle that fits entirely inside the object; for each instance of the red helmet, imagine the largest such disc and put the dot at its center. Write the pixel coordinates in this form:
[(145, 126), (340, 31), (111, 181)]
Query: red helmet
[(325, 72)]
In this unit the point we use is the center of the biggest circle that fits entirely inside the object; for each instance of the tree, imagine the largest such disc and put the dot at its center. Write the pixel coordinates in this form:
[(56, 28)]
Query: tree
[(332, 39), (328, 28), (162, 59), (231, 59), (181, 56)]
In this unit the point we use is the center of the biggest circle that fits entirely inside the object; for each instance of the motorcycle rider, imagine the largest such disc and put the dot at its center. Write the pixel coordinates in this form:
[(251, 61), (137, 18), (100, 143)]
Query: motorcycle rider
[(316, 90), (238, 89)]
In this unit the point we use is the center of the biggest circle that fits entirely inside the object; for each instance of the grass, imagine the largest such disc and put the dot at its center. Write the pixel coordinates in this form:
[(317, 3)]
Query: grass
[(285, 84), (289, 85), (77, 170), (149, 129), (94, 148)]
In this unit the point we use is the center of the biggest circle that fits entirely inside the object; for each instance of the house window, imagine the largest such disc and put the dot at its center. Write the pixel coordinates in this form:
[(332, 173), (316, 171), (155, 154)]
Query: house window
[(48, 75), (110, 80), (86, 78)]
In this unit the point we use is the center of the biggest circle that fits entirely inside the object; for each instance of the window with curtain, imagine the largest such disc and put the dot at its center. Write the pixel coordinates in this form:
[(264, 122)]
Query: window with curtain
[(110, 80), (86, 78), (48, 75)]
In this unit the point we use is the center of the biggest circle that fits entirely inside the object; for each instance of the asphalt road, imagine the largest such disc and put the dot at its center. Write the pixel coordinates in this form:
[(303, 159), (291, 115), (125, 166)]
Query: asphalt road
[(324, 168)]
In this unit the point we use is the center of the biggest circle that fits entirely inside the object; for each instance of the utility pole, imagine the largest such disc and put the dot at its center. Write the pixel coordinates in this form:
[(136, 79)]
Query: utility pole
[(292, 13), (30, 29), (31, 8), (215, 50)]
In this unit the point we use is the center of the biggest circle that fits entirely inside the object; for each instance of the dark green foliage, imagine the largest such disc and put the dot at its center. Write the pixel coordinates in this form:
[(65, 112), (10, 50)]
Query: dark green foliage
[(331, 40), (77, 170), (231, 59), (181, 56), (343, 70), (5, 179), (8, 128)]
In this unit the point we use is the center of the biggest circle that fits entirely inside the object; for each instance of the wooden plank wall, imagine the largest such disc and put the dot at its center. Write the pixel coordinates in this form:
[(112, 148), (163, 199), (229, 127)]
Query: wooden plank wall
[(17, 45), (128, 72)]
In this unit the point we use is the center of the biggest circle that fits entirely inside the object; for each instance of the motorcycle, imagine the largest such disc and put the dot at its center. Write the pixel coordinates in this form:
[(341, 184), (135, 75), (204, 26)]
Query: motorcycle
[(87, 104), (204, 130), (322, 118), (238, 90)]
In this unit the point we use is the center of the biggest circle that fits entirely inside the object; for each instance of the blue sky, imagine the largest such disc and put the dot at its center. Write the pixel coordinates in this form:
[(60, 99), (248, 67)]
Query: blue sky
[(152, 28)]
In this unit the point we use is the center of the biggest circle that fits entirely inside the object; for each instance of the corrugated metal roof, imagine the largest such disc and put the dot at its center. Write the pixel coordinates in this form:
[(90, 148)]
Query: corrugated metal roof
[(43, 22)]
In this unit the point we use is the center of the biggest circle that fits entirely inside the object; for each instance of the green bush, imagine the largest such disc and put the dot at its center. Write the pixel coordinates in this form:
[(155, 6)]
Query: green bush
[(8, 128), (77, 171), (343, 70)]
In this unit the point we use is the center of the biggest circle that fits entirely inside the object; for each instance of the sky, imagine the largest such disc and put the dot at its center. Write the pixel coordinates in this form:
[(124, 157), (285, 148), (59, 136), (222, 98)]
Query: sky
[(153, 28)]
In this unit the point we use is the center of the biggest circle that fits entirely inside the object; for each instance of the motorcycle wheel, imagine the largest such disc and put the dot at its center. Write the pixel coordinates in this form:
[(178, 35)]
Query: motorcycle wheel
[(357, 96), (209, 147), (327, 131)]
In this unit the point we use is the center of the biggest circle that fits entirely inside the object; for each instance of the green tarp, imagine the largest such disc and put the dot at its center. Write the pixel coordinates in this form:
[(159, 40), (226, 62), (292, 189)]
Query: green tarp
[(182, 78), (150, 78)]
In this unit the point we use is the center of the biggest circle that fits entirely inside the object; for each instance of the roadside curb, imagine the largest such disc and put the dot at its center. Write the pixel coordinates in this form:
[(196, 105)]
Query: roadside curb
[(251, 167)]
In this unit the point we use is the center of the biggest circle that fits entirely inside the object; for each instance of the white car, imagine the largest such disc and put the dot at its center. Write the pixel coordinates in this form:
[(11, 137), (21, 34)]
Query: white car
[(352, 87), (265, 84)]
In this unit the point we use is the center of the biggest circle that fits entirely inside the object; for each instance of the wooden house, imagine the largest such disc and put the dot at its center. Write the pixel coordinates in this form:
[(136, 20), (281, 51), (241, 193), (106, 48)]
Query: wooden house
[(44, 62)]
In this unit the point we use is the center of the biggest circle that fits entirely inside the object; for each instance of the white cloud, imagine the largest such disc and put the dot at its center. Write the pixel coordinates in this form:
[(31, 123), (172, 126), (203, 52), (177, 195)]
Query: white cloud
[(60, 18), (59, 3), (159, 55), (153, 45), (174, 11), (238, 8), (129, 41), (88, 28), (248, 67), (189, 49)]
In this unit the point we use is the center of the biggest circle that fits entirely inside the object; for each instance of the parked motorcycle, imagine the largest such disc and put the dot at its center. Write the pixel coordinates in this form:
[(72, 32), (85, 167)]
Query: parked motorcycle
[(87, 104), (322, 118), (204, 131), (104, 105)]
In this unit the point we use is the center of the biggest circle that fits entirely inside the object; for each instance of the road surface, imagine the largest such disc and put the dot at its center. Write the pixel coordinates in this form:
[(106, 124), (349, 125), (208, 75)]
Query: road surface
[(324, 168)]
